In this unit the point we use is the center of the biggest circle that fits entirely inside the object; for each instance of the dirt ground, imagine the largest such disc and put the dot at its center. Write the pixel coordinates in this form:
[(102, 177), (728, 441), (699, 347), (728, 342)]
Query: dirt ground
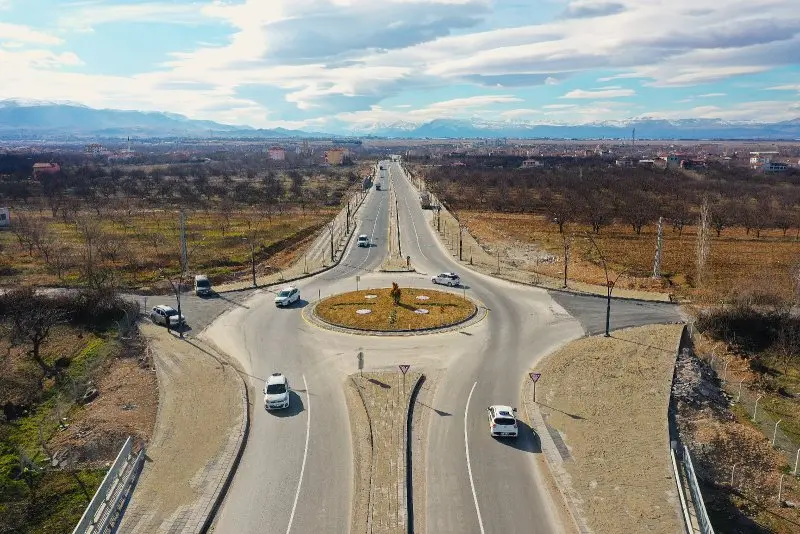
[(126, 406), (607, 398)]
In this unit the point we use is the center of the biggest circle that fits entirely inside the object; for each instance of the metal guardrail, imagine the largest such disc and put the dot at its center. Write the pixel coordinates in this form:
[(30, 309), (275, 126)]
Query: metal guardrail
[(103, 510), (697, 496)]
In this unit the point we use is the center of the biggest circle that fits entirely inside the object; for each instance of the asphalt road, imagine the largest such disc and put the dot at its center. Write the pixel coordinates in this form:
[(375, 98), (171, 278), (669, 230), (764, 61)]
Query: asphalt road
[(296, 471)]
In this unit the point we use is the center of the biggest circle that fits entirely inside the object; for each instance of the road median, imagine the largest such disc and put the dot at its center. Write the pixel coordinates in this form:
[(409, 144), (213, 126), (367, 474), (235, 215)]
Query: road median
[(378, 403)]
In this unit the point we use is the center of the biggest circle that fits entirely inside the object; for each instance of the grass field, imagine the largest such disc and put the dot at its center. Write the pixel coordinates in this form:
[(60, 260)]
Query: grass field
[(737, 259), (144, 249), (443, 308)]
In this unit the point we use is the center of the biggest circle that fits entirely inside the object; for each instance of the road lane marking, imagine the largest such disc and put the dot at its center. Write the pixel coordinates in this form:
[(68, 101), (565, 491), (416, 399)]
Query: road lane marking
[(469, 465), (414, 225), (305, 455)]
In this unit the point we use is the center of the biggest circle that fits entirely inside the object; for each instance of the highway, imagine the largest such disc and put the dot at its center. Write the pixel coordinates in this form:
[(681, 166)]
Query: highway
[(296, 471)]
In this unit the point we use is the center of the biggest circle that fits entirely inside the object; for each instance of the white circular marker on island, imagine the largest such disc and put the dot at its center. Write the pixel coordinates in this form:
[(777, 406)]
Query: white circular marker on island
[(363, 312), (421, 311), (370, 296), (422, 297)]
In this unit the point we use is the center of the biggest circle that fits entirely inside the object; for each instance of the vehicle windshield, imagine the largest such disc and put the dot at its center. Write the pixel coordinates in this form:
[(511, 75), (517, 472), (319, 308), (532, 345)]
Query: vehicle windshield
[(285, 293), (503, 421), (275, 389), (170, 313), (203, 283)]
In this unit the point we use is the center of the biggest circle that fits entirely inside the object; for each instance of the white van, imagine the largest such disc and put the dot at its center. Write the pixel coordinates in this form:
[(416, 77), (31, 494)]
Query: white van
[(202, 285)]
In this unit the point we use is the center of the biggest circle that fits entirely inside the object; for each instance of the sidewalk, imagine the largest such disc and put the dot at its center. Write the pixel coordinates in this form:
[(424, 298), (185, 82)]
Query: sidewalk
[(200, 428)]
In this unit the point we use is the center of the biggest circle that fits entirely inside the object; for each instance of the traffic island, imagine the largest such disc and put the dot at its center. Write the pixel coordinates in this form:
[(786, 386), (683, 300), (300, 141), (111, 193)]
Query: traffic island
[(395, 310), (378, 403)]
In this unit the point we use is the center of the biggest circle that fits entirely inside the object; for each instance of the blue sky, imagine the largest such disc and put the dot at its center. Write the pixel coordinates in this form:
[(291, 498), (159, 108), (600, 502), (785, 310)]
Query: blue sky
[(346, 65)]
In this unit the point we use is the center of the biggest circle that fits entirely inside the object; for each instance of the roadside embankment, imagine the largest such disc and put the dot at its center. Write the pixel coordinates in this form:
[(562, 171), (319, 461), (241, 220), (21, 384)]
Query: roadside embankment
[(601, 414), (379, 403)]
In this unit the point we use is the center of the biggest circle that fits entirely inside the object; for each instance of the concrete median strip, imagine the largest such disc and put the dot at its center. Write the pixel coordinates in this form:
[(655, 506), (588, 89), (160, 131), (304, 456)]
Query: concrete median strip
[(200, 431), (378, 403)]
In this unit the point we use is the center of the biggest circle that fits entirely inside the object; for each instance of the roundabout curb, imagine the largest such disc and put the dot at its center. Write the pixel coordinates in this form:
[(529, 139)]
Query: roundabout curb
[(478, 315)]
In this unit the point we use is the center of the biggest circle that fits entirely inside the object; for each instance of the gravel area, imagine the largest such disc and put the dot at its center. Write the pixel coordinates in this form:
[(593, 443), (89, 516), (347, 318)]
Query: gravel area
[(386, 405), (200, 409), (604, 403)]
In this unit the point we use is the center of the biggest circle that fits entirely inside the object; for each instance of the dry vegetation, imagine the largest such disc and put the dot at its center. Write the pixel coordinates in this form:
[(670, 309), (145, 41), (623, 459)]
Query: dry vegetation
[(608, 398), (737, 260), (443, 309)]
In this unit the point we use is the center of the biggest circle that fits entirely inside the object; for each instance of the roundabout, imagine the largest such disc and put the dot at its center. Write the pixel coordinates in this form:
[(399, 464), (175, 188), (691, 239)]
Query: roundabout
[(394, 311)]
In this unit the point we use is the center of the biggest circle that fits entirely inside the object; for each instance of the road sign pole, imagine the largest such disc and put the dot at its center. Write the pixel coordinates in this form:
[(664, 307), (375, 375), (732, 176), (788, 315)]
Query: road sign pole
[(534, 392), (534, 378)]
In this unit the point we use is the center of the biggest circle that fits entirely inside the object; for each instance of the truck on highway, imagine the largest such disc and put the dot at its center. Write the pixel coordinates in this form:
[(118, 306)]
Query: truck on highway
[(425, 200)]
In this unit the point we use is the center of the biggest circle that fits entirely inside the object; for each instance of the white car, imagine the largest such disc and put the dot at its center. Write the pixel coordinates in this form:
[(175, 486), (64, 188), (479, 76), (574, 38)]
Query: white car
[(287, 296), (363, 240), (166, 315), (276, 392), (447, 279), (502, 421)]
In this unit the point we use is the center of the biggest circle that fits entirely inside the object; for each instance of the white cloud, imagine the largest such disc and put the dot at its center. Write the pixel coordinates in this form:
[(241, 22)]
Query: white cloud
[(711, 95), (762, 111), (560, 106), (795, 87), (88, 16), (605, 92), (26, 34), (520, 114)]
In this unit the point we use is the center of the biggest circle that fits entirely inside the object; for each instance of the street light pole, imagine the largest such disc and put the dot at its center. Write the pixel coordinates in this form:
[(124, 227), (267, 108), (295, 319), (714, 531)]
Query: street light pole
[(253, 262)]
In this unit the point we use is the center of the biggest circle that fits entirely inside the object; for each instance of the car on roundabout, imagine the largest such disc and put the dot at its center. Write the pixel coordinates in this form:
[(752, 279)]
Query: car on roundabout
[(502, 421), (276, 392), (287, 296), (447, 279)]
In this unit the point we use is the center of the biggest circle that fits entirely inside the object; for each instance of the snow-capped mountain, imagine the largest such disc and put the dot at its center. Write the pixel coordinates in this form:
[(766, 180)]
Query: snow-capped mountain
[(646, 128)]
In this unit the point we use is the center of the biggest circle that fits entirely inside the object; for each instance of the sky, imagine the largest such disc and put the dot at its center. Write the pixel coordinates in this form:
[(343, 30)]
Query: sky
[(347, 65)]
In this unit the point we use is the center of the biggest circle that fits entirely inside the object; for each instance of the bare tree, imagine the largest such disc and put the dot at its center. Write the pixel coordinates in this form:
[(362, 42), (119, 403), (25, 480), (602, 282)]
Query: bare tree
[(32, 318), (679, 215), (703, 245), (787, 346)]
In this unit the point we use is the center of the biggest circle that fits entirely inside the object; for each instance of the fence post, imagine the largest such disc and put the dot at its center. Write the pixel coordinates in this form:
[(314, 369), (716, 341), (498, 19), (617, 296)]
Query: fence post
[(780, 487), (733, 470), (739, 396), (775, 432), (755, 409), (796, 458)]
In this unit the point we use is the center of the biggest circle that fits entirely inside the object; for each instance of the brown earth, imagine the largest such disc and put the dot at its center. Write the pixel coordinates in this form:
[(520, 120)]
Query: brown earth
[(737, 259), (608, 399)]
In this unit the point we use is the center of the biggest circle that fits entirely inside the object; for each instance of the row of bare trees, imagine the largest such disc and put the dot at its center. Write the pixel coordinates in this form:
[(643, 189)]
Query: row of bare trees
[(599, 197)]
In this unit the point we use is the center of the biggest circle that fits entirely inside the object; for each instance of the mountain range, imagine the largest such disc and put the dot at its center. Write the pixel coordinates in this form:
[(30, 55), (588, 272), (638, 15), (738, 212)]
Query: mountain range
[(65, 120)]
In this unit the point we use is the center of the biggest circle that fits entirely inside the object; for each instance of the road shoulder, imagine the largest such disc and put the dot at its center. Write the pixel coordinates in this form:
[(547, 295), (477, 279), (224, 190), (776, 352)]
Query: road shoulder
[(200, 428)]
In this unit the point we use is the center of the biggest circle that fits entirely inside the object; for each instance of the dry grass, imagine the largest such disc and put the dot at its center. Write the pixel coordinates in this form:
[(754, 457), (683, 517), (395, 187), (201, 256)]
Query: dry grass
[(146, 246), (444, 309), (608, 398), (737, 259)]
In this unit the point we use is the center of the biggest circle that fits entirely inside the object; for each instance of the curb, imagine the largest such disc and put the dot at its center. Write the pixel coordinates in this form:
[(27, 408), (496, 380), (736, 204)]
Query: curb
[(412, 400), (244, 431)]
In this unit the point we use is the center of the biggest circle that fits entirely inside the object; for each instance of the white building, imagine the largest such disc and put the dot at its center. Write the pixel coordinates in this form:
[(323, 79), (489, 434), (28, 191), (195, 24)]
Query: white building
[(5, 218)]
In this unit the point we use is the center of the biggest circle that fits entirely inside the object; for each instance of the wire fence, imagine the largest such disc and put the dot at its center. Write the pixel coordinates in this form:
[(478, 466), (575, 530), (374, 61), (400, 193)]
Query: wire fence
[(752, 475)]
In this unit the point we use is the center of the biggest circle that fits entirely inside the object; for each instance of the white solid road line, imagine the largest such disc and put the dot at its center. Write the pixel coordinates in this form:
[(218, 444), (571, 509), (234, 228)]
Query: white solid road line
[(469, 465), (305, 455)]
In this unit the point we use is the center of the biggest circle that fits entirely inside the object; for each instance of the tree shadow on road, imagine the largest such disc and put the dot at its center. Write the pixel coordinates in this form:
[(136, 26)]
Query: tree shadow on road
[(384, 385), (438, 412)]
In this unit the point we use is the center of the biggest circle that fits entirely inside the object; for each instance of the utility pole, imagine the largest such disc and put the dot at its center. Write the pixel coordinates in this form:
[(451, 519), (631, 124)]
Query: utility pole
[(348, 215), (184, 265)]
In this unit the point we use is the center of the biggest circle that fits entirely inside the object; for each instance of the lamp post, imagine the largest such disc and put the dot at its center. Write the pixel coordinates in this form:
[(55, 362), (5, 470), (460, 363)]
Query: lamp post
[(609, 284)]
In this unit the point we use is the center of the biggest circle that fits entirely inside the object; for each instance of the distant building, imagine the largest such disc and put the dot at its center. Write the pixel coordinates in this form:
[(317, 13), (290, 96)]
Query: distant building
[(95, 149), (674, 160), (692, 164), (625, 162), (5, 218), (774, 166), (45, 168), (335, 156), (532, 164), (276, 153), (760, 159), (647, 163)]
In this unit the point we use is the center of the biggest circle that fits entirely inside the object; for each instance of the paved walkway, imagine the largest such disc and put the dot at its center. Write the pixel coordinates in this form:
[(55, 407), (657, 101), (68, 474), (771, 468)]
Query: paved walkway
[(201, 422)]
